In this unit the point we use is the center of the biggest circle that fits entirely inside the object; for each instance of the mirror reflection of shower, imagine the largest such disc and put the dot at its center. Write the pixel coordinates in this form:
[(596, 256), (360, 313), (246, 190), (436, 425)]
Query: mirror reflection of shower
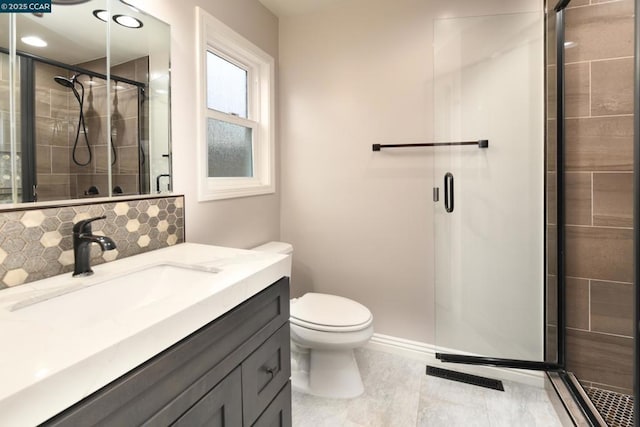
[(71, 84), (89, 127)]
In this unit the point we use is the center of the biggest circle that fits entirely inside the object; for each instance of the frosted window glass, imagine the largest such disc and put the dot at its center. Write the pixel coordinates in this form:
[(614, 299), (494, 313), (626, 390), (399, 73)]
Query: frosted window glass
[(229, 148), (226, 86)]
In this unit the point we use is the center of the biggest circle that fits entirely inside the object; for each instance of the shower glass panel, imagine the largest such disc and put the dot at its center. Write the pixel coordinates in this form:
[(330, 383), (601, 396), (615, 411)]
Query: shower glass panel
[(7, 161), (11, 112), (64, 141), (489, 248), (5, 128), (551, 196)]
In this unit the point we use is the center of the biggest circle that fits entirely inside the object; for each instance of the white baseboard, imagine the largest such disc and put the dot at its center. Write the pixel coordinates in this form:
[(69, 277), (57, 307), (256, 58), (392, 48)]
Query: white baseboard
[(427, 353)]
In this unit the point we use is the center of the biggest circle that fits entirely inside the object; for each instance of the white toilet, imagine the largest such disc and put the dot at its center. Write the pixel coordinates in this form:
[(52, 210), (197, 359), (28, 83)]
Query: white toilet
[(324, 331)]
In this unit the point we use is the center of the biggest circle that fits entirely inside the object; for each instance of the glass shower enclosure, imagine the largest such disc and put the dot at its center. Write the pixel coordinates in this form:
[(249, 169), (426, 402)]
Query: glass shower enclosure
[(535, 234), (488, 85)]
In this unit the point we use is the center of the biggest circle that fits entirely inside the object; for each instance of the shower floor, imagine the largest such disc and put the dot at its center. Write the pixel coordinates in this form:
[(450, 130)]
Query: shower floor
[(615, 408)]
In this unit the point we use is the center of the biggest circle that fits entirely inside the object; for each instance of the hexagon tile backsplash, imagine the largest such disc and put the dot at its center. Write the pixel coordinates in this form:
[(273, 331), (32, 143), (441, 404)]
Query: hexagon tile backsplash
[(38, 243)]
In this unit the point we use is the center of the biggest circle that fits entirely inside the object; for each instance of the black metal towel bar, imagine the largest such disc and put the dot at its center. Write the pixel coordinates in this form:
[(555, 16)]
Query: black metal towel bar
[(482, 143)]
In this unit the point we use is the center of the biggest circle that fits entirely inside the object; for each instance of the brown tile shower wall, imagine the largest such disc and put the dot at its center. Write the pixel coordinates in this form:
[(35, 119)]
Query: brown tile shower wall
[(37, 243), (598, 193), (125, 120), (54, 124)]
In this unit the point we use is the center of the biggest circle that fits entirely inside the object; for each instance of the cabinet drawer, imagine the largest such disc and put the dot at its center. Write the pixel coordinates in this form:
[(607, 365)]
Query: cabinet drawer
[(278, 413), (220, 407), (264, 373)]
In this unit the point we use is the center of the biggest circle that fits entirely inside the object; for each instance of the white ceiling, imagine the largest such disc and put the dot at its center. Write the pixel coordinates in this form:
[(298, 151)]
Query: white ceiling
[(75, 36), (296, 7)]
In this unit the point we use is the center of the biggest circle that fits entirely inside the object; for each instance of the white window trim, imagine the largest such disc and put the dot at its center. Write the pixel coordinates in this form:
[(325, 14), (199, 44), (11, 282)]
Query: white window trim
[(213, 35)]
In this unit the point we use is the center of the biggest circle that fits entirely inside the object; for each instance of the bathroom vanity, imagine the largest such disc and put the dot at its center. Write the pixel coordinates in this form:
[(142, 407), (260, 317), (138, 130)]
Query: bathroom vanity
[(212, 349)]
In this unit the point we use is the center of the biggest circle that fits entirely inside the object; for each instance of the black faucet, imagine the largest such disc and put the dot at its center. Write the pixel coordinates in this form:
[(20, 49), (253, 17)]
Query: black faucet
[(82, 240)]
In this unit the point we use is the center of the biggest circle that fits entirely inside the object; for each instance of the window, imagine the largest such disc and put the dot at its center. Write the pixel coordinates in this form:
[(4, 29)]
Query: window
[(236, 124)]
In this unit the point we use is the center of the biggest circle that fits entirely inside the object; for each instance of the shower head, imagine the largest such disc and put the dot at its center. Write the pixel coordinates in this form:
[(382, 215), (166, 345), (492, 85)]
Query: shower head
[(71, 84), (68, 83)]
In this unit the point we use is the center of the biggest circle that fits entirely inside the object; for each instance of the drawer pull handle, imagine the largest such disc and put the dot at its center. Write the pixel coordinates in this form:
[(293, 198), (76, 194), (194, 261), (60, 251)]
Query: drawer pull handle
[(272, 372)]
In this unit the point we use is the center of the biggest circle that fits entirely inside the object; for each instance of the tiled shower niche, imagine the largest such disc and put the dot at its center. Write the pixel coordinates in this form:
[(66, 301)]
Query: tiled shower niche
[(38, 243)]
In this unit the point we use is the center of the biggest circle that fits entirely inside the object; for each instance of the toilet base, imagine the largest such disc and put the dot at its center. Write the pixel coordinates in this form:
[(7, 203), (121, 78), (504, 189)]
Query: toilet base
[(333, 374)]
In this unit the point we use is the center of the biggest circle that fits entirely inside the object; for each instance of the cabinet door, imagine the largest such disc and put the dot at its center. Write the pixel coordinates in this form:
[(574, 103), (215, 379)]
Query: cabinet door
[(264, 373), (278, 413), (222, 406)]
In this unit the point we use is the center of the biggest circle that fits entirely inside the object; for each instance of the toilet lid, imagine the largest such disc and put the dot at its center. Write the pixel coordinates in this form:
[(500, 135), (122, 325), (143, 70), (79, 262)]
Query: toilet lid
[(322, 310)]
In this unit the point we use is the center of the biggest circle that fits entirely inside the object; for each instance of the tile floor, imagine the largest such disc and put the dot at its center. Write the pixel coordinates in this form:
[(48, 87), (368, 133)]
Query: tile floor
[(398, 393)]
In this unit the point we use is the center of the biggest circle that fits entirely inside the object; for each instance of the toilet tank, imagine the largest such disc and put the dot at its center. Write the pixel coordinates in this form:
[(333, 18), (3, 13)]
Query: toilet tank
[(275, 247)]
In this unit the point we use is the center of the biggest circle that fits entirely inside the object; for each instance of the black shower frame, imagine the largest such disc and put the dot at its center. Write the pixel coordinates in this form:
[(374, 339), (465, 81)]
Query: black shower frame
[(559, 10), (571, 385), (75, 68), (636, 216)]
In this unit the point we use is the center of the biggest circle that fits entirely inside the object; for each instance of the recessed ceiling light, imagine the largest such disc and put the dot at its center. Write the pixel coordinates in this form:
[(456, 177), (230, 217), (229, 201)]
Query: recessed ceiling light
[(127, 21), (124, 20), (101, 14), (33, 41)]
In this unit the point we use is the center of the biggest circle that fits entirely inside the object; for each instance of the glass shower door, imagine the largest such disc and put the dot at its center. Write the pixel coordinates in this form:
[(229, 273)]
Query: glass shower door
[(489, 219)]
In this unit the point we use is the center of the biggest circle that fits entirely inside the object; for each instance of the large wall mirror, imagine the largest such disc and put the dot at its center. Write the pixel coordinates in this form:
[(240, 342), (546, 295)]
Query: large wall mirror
[(84, 103)]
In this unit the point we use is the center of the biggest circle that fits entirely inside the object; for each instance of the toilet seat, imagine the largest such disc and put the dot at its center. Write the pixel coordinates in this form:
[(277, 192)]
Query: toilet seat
[(329, 313)]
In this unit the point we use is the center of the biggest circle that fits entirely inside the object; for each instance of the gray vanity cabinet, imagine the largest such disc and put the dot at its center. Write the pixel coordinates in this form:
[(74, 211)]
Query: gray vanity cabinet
[(232, 372), (264, 373)]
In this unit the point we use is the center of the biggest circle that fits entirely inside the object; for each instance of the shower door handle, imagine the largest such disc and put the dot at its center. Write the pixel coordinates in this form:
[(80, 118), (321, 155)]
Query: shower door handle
[(448, 192)]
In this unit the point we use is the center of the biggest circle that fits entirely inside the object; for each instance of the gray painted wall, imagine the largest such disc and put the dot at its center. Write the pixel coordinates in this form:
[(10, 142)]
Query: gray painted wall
[(356, 73)]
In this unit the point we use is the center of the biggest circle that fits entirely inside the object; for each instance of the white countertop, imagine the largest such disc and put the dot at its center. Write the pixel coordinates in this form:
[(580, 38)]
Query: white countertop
[(49, 362)]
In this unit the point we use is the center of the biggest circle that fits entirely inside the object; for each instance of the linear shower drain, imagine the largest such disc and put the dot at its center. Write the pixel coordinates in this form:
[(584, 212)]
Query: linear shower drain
[(465, 378)]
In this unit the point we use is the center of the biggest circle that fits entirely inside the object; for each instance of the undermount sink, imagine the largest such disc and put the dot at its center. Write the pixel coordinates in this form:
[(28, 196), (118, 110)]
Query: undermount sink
[(103, 298)]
